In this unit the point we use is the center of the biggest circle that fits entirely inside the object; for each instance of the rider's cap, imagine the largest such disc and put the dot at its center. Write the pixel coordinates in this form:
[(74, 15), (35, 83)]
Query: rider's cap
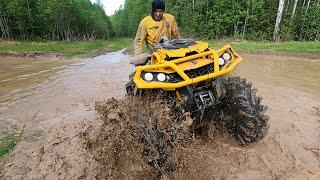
[(158, 4)]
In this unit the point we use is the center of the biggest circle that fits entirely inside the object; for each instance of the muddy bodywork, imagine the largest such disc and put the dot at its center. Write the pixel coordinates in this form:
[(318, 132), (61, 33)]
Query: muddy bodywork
[(191, 72)]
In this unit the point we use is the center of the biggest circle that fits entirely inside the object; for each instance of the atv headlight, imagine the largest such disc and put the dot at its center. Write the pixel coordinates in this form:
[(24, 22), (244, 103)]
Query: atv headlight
[(161, 77), (148, 76), (221, 61), (226, 56)]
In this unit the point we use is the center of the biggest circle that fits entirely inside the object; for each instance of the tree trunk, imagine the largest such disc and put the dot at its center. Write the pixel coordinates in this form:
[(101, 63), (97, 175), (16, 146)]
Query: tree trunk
[(288, 5), (235, 24), (278, 20), (294, 8), (308, 3), (3, 34), (307, 6), (193, 4), (245, 24), (235, 33), (4, 27)]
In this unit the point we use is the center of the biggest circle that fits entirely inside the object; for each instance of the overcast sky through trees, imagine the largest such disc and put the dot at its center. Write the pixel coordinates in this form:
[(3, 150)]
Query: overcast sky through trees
[(111, 5)]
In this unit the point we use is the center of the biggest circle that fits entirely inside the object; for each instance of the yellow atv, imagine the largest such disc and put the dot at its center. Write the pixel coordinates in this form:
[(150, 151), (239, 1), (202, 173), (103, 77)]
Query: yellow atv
[(196, 76)]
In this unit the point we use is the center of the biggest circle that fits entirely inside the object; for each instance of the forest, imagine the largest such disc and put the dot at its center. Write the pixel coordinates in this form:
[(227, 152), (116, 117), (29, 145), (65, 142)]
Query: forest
[(245, 19), (53, 20), (67, 20)]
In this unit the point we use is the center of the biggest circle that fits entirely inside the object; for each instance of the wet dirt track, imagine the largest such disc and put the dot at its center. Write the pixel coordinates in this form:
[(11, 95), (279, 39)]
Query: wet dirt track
[(56, 112)]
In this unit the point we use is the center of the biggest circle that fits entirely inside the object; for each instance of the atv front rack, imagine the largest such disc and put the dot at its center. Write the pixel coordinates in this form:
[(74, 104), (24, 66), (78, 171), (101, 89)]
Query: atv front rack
[(163, 65)]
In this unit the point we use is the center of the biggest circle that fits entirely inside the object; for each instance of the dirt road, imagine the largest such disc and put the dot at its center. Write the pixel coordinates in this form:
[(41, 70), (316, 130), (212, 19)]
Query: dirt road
[(56, 114)]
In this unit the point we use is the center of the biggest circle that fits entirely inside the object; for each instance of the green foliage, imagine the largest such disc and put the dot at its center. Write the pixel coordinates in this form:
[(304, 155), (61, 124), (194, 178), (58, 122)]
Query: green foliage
[(8, 142), (205, 19), (54, 20), (307, 23), (126, 20), (210, 19)]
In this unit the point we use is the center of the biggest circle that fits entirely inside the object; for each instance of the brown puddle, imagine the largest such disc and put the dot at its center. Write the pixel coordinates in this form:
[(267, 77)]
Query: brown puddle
[(46, 85), (18, 74), (294, 72)]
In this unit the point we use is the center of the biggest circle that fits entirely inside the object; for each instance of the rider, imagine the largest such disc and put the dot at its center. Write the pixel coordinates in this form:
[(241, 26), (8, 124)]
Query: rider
[(154, 27)]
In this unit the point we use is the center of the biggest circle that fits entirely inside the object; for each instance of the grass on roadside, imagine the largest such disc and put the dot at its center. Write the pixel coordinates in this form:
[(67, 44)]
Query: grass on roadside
[(304, 48), (89, 48), (68, 49), (8, 142)]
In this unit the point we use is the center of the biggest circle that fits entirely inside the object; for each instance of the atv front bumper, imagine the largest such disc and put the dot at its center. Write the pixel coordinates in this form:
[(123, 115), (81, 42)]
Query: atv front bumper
[(186, 79)]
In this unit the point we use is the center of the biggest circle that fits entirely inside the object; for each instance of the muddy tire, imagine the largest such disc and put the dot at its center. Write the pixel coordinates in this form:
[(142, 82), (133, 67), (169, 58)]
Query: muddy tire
[(161, 133), (243, 112), (156, 148), (130, 88)]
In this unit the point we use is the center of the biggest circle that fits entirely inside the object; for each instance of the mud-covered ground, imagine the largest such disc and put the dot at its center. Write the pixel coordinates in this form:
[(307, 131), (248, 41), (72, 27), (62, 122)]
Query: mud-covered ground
[(64, 136)]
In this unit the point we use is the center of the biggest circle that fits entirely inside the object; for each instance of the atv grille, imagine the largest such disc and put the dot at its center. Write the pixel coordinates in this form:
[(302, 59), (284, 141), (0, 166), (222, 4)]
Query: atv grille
[(174, 78), (193, 73)]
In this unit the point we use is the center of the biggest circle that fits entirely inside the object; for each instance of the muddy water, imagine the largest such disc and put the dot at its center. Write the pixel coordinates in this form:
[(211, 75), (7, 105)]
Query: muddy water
[(294, 72), (46, 85), (18, 75)]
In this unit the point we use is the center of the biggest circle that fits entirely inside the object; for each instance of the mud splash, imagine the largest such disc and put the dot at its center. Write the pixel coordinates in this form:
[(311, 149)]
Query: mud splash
[(119, 154), (138, 139)]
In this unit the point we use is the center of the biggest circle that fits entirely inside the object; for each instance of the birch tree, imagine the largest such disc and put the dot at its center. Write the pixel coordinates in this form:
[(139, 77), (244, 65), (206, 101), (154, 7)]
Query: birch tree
[(294, 8), (278, 20), (4, 28), (246, 20), (307, 6)]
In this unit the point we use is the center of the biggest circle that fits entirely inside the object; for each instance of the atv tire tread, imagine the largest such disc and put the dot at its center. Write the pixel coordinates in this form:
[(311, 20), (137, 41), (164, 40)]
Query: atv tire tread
[(159, 136), (248, 123)]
